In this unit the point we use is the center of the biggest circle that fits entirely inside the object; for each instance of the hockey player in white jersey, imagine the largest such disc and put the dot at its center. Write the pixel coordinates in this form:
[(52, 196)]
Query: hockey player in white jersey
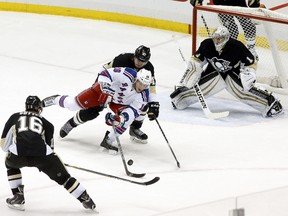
[(125, 90)]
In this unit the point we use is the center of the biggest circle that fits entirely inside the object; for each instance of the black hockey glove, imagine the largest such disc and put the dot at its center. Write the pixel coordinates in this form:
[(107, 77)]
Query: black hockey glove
[(196, 2), (153, 111)]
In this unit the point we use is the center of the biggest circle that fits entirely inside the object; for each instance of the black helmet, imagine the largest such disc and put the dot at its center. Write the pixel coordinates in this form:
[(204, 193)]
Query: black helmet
[(33, 103), (143, 53)]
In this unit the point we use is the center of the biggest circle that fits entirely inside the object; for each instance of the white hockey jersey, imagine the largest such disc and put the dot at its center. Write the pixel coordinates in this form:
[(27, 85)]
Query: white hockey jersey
[(121, 81)]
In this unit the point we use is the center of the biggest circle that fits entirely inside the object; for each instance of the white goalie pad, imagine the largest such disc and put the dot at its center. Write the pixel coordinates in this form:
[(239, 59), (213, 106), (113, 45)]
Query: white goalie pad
[(181, 99), (192, 74)]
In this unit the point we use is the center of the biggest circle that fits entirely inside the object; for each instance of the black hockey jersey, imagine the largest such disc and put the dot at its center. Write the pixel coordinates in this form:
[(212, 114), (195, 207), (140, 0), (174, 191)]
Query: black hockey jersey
[(28, 134), (233, 55)]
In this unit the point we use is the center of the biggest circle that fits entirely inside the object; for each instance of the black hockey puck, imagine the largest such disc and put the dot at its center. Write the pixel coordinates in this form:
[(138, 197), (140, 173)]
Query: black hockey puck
[(130, 162)]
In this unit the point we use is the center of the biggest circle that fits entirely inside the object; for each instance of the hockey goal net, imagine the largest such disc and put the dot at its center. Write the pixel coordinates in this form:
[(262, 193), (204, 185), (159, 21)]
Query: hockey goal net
[(263, 29)]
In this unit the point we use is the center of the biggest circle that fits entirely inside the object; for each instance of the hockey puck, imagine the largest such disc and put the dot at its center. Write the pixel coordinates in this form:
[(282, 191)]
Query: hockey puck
[(130, 162)]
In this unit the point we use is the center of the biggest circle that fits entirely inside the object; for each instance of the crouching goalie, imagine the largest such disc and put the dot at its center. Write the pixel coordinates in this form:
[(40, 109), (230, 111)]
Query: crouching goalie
[(221, 63)]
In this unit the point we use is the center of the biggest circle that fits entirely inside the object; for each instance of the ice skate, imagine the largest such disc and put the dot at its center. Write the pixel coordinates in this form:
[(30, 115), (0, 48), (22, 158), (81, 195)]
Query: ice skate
[(137, 135), (17, 201), (66, 128), (106, 145), (86, 201), (275, 107)]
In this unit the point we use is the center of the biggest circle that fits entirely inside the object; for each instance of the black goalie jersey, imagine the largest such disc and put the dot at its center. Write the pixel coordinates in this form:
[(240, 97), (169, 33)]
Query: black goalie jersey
[(28, 134), (230, 59)]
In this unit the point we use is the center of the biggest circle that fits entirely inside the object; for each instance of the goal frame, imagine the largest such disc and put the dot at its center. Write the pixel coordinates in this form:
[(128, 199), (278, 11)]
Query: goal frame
[(283, 77)]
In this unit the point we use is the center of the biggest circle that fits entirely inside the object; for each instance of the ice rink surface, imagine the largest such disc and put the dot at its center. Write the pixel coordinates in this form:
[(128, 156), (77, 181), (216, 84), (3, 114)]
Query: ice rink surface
[(44, 55)]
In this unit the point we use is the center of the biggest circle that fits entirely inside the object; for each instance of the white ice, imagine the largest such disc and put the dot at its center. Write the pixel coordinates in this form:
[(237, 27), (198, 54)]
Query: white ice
[(220, 159)]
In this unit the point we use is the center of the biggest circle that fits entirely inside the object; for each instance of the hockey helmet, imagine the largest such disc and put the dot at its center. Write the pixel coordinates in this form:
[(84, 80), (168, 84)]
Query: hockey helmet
[(142, 53), (220, 37), (33, 103), (144, 76)]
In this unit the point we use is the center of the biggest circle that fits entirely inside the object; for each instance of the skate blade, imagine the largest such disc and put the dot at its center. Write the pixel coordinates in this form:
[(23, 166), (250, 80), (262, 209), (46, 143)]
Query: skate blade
[(109, 151), (136, 140), (16, 207)]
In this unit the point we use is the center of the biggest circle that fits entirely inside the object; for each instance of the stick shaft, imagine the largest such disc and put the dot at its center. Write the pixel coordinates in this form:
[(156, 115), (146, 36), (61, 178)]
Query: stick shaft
[(178, 164)]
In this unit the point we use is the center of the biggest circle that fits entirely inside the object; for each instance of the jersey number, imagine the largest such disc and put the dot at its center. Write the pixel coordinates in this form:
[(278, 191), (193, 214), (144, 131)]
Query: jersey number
[(34, 124)]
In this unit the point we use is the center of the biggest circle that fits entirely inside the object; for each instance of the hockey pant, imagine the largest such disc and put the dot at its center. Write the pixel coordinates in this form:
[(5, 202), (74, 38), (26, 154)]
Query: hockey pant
[(91, 97), (51, 165), (213, 83)]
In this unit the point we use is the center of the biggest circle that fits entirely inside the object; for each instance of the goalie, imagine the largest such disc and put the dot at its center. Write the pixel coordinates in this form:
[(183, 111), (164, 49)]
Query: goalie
[(221, 63)]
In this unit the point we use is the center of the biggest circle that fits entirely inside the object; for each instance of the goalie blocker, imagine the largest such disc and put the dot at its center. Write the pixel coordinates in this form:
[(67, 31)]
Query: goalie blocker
[(221, 56)]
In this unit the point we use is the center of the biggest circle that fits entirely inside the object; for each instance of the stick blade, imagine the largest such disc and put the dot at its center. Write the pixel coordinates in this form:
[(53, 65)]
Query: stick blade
[(135, 175), (152, 181), (218, 115)]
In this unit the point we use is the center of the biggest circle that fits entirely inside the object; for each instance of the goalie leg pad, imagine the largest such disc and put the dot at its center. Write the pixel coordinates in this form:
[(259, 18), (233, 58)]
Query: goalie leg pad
[(260, 100), (192, 74), (184, 99), (178, 91), (210, 84)]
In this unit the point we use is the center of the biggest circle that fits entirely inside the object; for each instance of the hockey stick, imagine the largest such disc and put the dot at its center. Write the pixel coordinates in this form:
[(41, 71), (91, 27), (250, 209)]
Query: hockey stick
[(136, 175), (152, 181), (178, 163), (199, 93), (206, 26)]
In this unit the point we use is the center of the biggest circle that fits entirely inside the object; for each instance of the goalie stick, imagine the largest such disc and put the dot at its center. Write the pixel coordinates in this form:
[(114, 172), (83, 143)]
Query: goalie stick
[(152, 181), (199, 93), (135, 175)]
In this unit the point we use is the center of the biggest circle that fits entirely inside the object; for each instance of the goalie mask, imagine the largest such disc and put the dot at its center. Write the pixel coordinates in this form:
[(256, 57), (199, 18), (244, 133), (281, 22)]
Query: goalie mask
[(33, 103), (142, 53), (220, 37)]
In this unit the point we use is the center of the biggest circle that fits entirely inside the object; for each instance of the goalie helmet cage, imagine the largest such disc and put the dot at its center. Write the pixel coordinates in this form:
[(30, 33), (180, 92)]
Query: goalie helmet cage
[(271, 40)]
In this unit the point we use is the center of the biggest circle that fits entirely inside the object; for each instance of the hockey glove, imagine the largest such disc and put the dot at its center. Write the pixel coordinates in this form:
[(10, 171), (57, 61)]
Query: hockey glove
[(106, 93), (118, 120), (153, 111), (106, 88), (196, 2), (248, 78)]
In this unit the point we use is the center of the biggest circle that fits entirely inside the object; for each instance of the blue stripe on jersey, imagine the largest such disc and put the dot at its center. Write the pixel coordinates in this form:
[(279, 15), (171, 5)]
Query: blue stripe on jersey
[(145, 95), (120, 130), (106, 74), (136, 114), (130, 73)]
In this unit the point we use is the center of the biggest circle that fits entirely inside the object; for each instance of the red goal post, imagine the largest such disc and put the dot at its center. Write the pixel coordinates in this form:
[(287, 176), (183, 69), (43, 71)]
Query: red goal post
[(271, 40)]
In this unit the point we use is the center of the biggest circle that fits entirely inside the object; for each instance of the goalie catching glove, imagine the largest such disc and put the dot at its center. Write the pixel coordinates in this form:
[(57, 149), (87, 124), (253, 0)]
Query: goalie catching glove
[(118, 120), (248, 78), (153, 110)]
